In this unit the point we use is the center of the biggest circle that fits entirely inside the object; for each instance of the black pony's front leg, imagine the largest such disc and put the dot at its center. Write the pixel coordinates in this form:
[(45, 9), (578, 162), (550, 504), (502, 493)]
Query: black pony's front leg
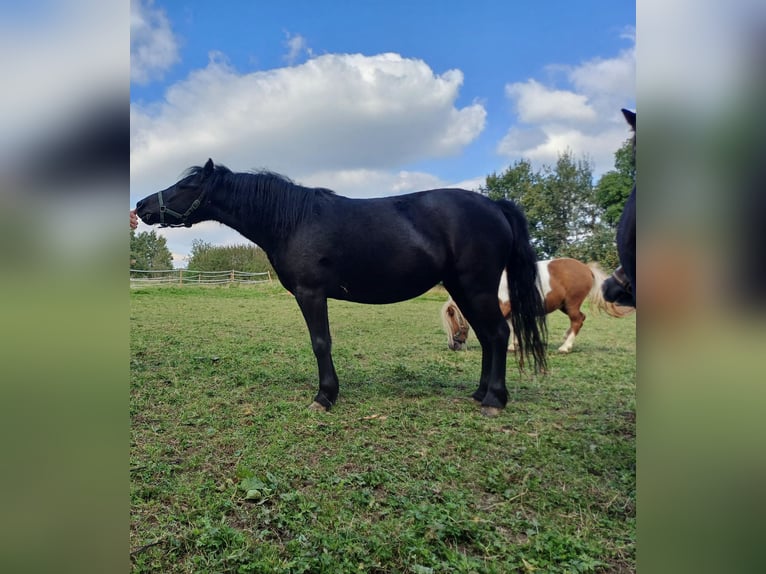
[(314, 309)]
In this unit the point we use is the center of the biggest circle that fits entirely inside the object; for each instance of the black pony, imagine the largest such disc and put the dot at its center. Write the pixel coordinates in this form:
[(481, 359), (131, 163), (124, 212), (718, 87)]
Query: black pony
[(620, 288), (376, 251)]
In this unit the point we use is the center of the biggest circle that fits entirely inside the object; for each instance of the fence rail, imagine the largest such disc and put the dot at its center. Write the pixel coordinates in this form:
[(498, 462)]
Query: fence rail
[(141, 277)]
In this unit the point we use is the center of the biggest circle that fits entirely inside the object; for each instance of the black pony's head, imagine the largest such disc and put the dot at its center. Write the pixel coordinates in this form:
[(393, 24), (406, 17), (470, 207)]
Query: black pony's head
[(618, 290), (180, 204)]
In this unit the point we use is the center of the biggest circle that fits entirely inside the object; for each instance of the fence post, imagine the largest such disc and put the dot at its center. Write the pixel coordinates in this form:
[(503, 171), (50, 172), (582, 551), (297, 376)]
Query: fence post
[(269, 272), (180, 276)]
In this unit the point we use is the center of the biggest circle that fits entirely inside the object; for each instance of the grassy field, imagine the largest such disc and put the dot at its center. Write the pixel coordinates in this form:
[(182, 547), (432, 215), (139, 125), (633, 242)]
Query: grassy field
[(230, 472)]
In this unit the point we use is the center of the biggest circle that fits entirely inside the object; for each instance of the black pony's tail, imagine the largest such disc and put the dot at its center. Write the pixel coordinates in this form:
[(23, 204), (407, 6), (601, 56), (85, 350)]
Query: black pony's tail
[(527, 308)]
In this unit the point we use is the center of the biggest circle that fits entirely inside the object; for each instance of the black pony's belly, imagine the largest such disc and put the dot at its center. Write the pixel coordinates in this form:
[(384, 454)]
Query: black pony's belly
[(380, 293)]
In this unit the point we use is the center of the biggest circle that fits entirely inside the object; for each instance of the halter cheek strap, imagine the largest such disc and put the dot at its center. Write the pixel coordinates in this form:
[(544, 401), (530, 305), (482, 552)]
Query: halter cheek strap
[(622, 279), (182, 216)]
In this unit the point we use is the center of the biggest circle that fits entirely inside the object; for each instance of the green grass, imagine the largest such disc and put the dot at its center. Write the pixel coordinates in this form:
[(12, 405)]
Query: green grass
[(230, 472)]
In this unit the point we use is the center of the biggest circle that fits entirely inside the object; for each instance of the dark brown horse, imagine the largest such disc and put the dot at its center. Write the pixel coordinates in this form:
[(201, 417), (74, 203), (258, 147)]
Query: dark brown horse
[(564, 283)]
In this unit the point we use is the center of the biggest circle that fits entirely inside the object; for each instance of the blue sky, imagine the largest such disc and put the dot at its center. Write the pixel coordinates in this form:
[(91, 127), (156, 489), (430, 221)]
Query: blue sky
[(373, 98)]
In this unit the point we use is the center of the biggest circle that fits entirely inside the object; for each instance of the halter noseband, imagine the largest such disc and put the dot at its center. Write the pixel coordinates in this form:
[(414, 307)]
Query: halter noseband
[(182, 216)]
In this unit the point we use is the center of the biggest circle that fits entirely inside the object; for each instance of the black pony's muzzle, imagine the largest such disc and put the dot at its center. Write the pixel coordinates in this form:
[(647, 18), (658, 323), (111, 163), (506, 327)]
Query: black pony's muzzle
[(143, 211)]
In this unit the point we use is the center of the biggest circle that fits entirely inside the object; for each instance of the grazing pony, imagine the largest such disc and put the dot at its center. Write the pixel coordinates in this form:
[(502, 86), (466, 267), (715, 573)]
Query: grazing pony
[(620, 288), (383, 250), (564, 283)]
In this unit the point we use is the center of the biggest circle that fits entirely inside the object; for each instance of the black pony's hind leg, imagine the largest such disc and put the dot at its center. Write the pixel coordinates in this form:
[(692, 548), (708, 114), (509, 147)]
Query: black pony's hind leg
[(314, 309), (482, 311)]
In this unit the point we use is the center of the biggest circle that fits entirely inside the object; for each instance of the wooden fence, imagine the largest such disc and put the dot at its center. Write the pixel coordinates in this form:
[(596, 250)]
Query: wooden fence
[(142, 278)]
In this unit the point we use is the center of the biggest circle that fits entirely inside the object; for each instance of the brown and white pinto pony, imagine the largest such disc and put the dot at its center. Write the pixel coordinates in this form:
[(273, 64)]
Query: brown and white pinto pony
[(564, 283)]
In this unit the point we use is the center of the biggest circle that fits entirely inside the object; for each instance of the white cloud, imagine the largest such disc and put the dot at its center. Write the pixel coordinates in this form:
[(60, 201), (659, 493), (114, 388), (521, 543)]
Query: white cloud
[(536, 103), (153, 47), (366, 183), (296, 47), (543, 146), (612, 78), (342, 121), (584, 118), (629, 33), (472, 184), (334, 112)]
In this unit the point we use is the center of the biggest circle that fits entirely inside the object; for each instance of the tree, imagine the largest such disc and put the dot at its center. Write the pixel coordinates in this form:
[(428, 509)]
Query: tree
[(521, 185), (614, 187), (598, 246), (148, 251), (514, 183), (564, 205), (588, 236), (565, 220)]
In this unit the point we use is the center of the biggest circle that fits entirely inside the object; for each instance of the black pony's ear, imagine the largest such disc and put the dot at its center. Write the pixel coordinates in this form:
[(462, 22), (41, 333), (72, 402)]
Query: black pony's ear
[(208, 169), (630, 117)]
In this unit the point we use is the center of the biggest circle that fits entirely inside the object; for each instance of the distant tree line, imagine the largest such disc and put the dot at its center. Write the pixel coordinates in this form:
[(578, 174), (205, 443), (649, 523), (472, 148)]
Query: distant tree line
[(568, 215), (149, 252), (249, 258)]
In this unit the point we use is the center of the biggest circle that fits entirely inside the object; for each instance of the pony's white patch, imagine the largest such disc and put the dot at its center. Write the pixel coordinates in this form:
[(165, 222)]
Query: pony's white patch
[(544, 285), (545, 277), (502, 289)]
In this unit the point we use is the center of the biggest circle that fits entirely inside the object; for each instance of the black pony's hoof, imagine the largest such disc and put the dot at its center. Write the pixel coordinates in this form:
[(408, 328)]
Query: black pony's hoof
[(491, 412), (315, 406)]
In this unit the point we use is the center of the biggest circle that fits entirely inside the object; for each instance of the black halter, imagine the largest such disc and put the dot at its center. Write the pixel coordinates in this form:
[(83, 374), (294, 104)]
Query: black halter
[(182, 216), (622, 279)]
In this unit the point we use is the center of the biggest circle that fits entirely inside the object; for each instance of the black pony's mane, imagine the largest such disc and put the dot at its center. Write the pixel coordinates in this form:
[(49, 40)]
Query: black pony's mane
[(269, 200)]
